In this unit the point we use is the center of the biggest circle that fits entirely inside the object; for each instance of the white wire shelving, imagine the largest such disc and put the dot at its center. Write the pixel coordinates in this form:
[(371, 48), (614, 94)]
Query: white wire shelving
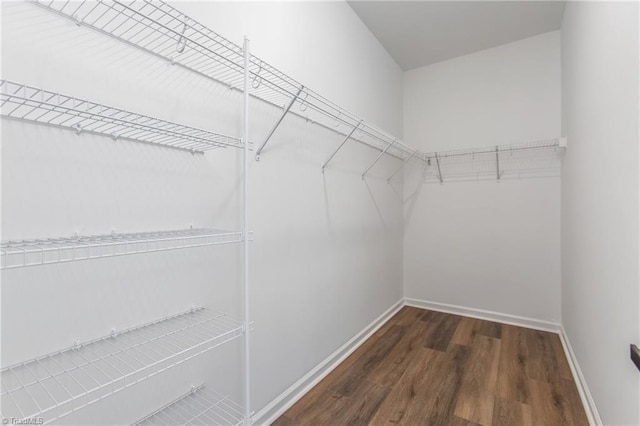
[(17, 254), (530, 159), (57, 384), (163, 31), (28, 103), (200, 406)]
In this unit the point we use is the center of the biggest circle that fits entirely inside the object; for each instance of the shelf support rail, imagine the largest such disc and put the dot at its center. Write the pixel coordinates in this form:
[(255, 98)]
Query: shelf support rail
[(401, 166), (439, 171), (275, 127), (341, 145), (379, 157)]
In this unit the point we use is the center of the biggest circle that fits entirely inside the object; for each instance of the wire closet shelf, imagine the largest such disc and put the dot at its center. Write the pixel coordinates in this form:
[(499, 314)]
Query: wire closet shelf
[(28, 103), (55, 385), (17, 254), (165, 32), (529, 159), (200, 406)]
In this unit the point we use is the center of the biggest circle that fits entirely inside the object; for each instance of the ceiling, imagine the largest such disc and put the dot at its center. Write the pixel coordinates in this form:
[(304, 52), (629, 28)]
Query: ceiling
[(419, 33)]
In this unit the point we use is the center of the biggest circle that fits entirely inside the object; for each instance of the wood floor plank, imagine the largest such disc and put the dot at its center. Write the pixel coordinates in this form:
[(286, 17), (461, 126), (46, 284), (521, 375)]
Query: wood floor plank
[(551, 404), (513, 381), (542, 361), (509, 413), (476, 395), (411, 389), (439, 407), (283, 421), (362, 367), (490, 329), (465, 332), (457, 421), (332, 408), (576, 409), (407, 316), (432, 368), (324, 408), (442, 326), (363, 404), (393, 366), (426, 394), (340, 371), (361, 351), (561, 358)]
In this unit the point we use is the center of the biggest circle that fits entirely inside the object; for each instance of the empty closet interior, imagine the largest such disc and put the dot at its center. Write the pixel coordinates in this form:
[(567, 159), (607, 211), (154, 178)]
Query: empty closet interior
[(208, 206)]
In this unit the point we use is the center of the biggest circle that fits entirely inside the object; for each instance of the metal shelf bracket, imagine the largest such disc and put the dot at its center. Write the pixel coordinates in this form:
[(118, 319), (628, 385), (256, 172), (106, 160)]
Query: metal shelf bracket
[(275, 127), (439, 171), (341, 145), (379, 157), (401, 166)]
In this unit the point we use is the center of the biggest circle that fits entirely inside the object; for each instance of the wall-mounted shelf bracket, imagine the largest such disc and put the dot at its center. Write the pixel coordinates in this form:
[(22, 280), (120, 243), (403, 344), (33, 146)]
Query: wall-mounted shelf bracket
[(439, 171), (402, 165), (275, 127), (562, 143), (379, 157), (341, 145)]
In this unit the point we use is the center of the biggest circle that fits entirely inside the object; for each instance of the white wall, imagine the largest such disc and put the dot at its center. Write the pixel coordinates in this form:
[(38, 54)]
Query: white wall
[(327, 255), (600, 282), (482, 244)]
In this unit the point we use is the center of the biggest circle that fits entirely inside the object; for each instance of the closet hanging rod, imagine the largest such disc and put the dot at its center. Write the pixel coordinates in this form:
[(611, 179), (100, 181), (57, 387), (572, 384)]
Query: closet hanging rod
[(156, 27), (28, 103)]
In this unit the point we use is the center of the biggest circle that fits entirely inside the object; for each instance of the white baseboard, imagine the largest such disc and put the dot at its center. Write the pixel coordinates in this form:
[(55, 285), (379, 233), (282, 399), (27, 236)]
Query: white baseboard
[(485, 315), (587, 400), (284, 401)]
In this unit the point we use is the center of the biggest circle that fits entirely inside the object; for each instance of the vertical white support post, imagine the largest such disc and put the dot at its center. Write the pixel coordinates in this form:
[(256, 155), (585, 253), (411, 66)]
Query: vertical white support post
[(497, 163), (245, 237)]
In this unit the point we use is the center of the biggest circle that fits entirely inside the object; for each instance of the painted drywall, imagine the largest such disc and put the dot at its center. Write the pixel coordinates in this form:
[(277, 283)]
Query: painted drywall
[(600, 289), (326, 258), (484, 244)]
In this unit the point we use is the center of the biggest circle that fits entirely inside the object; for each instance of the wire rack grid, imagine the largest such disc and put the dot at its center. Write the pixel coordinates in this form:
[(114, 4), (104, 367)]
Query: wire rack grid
[(165, 32), (60, 383), (496, 162), (17, 254), (28, 103), (200, 406)]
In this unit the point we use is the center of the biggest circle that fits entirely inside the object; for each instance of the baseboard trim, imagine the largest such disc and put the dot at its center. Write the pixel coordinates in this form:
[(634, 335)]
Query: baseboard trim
[(285, 400), (585, 395), (485, 315)]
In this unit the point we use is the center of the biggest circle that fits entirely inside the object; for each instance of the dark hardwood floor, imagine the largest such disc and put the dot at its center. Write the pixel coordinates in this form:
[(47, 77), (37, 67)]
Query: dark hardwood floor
[(431, 368)]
